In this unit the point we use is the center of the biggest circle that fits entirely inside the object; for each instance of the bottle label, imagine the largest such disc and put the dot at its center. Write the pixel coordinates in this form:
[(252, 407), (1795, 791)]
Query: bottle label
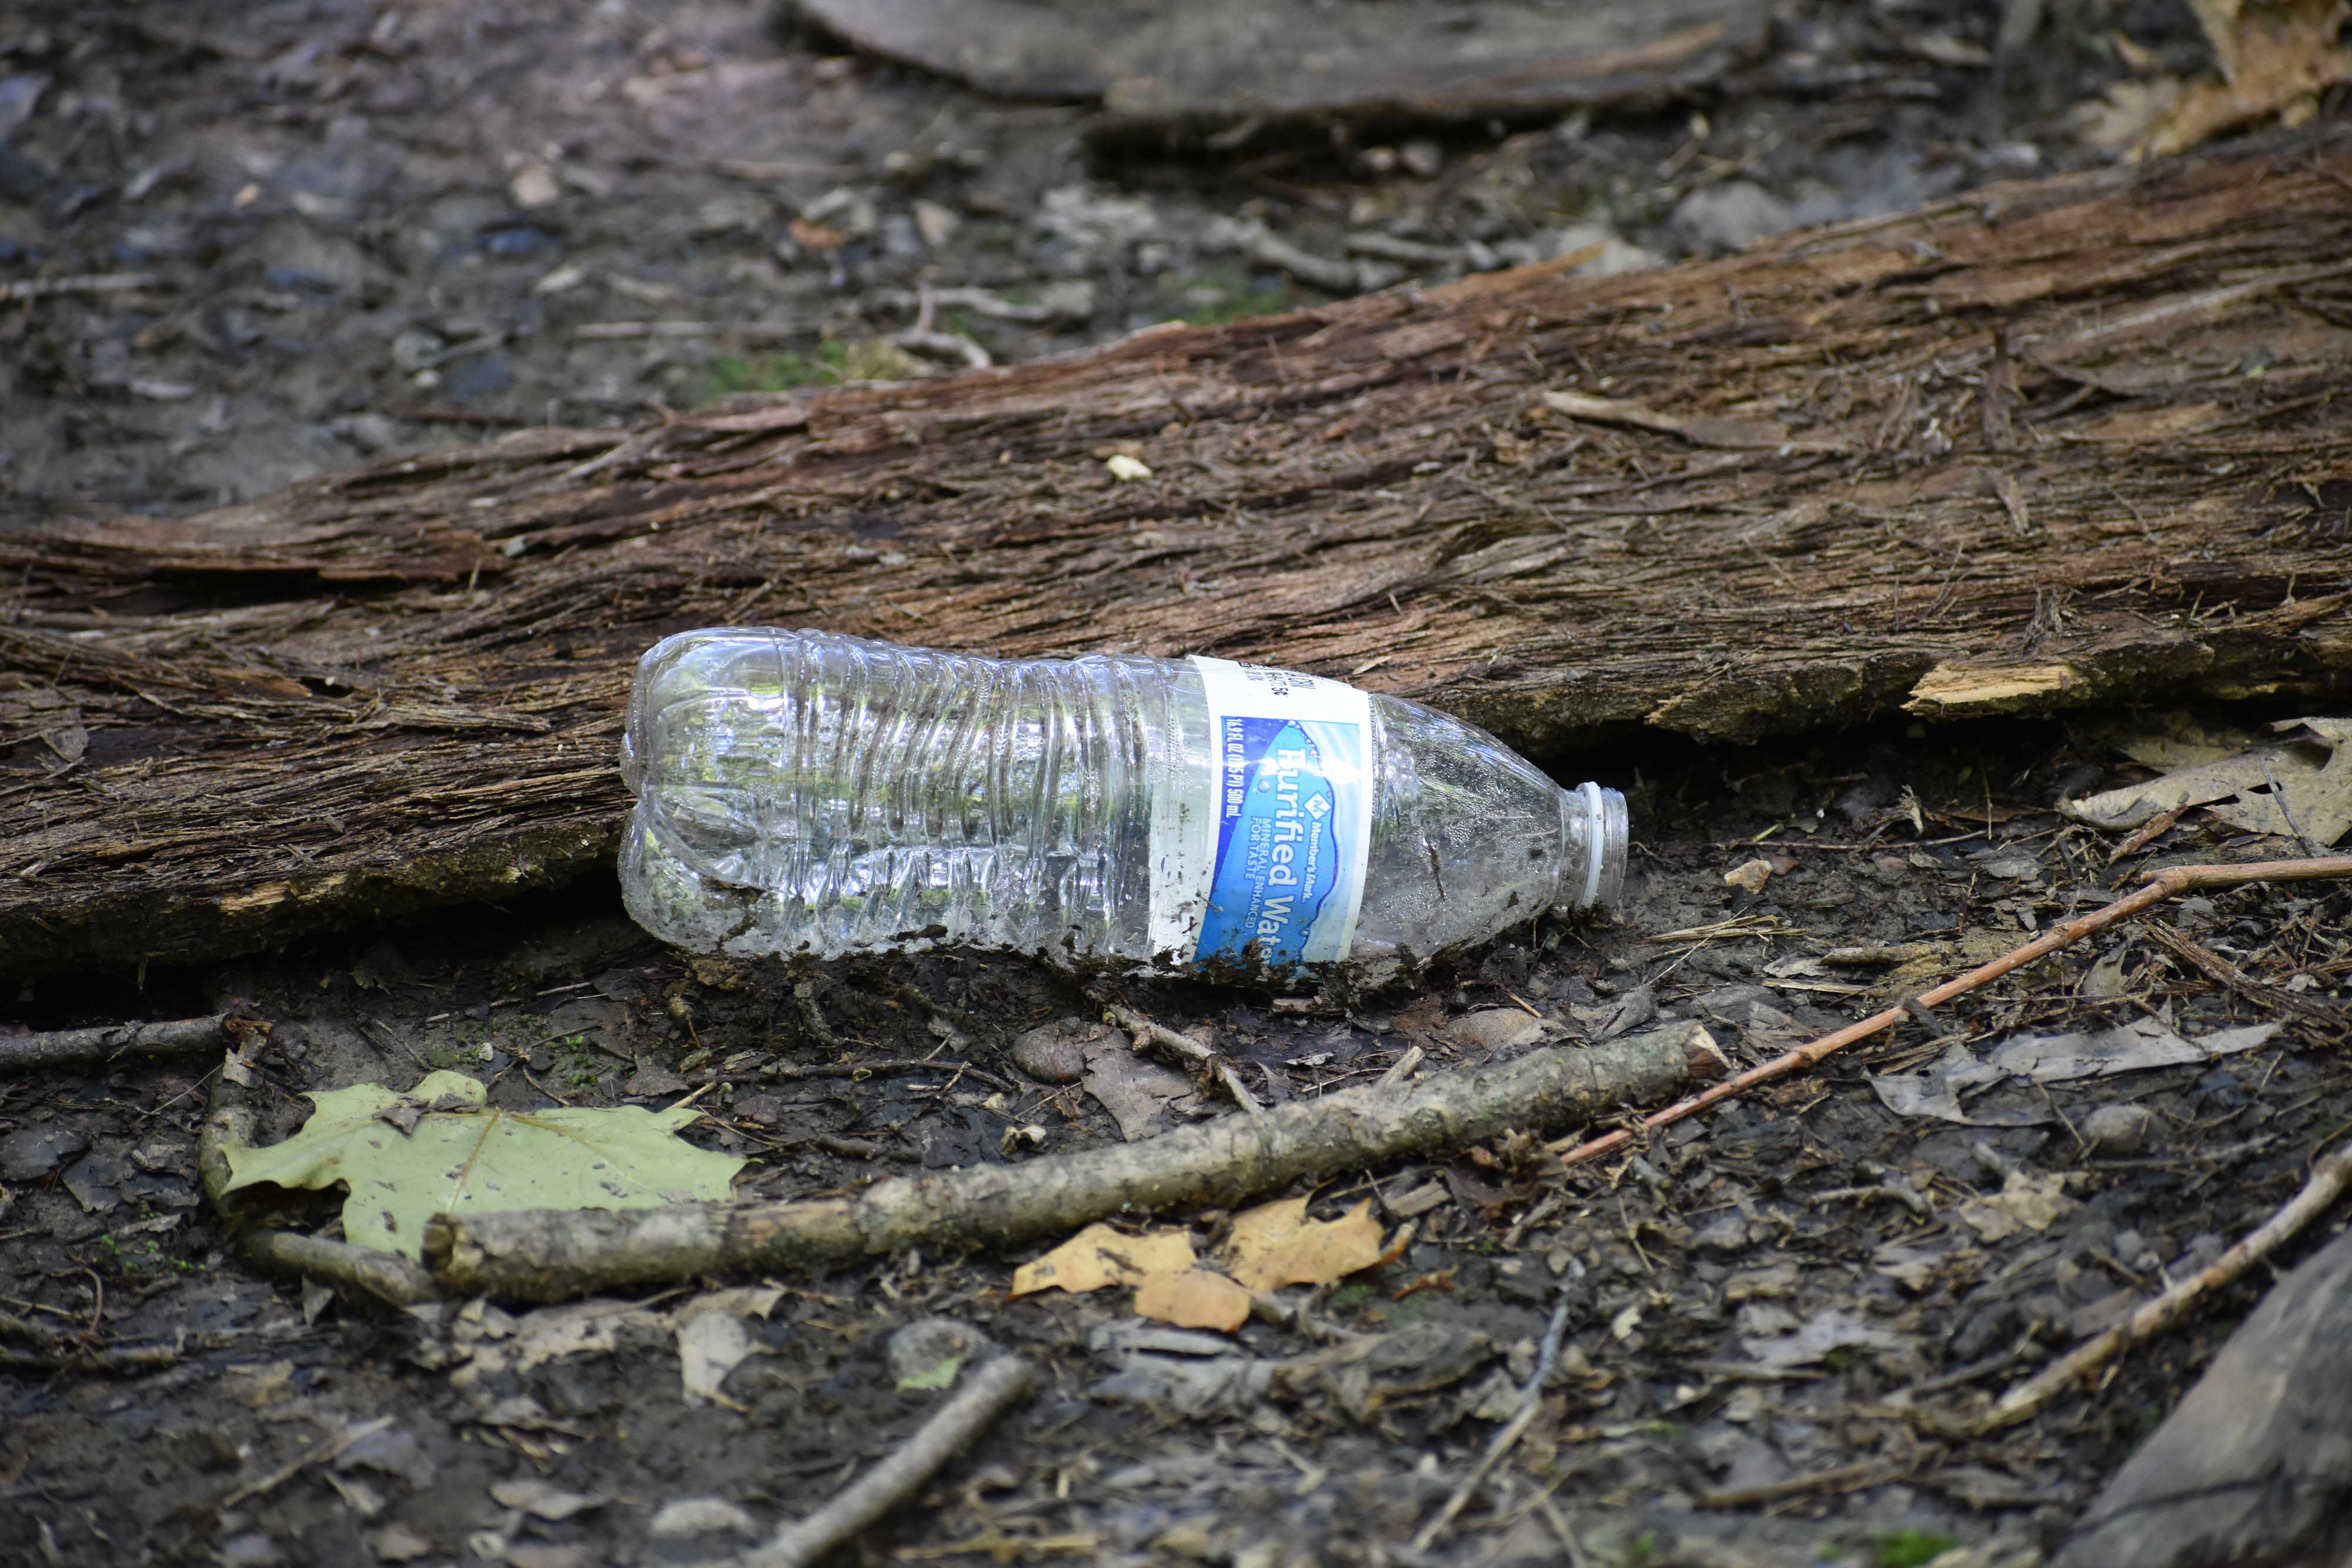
[(1289, 815)]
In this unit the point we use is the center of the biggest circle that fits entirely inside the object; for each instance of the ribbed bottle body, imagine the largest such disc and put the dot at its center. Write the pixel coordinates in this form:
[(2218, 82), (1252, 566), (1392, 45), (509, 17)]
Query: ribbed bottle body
[(802, 791), (808, 793)]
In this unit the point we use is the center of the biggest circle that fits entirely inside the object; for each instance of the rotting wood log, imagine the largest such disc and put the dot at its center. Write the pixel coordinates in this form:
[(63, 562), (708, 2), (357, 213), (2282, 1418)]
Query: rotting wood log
[(2046, 445), (550, 1254)]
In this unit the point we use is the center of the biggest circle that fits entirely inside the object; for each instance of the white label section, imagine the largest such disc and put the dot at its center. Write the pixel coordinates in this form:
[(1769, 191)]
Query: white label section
[(1259, 848)]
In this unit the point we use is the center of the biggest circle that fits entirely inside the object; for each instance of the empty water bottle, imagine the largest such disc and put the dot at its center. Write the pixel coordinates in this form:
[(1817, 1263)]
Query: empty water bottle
[(807, 793)]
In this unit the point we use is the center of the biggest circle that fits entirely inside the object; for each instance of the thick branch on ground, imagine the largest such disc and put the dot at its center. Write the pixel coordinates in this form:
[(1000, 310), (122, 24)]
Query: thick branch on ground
[(545, 1255), (82, 1047), (995, 1387), (1804, 485)]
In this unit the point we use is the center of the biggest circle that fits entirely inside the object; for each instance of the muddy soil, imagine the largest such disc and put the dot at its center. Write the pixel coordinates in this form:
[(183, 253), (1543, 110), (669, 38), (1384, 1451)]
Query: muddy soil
[(360, 228)]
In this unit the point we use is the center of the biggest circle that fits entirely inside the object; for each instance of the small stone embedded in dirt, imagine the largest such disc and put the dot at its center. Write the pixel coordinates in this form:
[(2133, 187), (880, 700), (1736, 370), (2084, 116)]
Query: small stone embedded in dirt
[(34, 1153), (1495, 1028), (398, 1543), (1749, 875), (1725, 1236), (541, 1501), (690, 1516), (1729, 216), (928, 1352), (250, 1550), (2118, 1129), (1056, 1053)]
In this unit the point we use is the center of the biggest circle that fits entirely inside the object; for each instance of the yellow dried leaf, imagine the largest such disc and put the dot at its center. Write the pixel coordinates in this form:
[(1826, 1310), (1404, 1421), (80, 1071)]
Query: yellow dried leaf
[(1194, 1299), (1275, 1245), (2276, 60), (1100, 1255)]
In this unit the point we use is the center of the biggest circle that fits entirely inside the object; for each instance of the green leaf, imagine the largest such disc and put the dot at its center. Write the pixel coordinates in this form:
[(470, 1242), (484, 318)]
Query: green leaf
[(458, 1156), (937, 1376)]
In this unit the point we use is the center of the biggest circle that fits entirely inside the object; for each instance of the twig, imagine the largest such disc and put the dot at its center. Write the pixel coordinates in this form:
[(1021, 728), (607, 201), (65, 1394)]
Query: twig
[(1199, 1058), (2147, 832), (995, 1387), (83, 283), (2329, 1178), (2215, 968), (24, 1052), (321, 1454), (550, 1254), (1844, 1477), (2161, 885), (1530, 1402), (386, 1276), (793, 1073), (1402, 1069)]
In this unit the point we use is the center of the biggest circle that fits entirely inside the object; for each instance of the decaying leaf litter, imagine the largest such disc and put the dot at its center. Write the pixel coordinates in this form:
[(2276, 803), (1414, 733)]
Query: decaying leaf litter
[(1731, 1325)]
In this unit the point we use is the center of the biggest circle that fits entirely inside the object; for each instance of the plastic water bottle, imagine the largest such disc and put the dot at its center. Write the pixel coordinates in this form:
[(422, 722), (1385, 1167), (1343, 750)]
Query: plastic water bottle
[(807, 793)]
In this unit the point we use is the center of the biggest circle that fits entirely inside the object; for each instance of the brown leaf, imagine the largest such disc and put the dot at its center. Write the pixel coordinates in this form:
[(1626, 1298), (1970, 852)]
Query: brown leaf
[(1194, 1298), (1100, 1255), (1275, 1245)]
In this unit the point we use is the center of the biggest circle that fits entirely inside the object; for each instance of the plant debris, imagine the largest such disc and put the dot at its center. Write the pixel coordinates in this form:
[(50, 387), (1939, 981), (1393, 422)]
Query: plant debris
[(441, 1149)]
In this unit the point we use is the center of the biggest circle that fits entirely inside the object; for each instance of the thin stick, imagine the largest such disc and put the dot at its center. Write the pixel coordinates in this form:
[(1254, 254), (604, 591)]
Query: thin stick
[(994, 1388), (328, 1449), (1185, 1049), (2214, 968), (1530, 1402), (2329, 1181), (83, 283), (2161, 885), (76, 1047)]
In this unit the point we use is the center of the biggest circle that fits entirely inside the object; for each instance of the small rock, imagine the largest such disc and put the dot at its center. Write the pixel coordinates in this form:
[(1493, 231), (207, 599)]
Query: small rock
[(1726, 1236), (918, 1352), (936, 224), (398, 1543), (543, 1500), (251, 1550), (34, 1153), (547, 1555), (1751, 876), (688, 1516), (2118, 1129), (1056, 1053), (1730, 215), (1495, 1028)]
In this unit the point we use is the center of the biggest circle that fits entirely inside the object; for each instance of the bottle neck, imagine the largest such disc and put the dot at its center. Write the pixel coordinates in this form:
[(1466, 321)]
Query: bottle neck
[(1593, 845)]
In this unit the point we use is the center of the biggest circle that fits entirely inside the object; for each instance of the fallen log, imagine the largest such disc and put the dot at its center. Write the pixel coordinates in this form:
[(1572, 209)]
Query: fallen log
[(2046, 445)]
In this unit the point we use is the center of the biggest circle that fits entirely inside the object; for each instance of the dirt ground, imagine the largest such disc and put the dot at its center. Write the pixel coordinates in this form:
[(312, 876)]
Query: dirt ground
[(363, 228)]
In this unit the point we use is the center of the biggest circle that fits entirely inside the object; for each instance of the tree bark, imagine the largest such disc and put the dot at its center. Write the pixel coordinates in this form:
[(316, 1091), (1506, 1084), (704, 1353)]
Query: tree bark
[(2045, 446)]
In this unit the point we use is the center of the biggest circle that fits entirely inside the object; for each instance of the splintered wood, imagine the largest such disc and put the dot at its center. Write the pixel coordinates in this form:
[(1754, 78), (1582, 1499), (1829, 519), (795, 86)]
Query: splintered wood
[(2043, 446)]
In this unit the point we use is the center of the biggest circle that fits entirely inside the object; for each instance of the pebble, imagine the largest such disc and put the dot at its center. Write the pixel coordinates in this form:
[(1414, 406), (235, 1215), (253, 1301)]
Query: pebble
[(916, 1349), (1056, 1053), (700, 1516), (2118, 1129), (1730, 215)]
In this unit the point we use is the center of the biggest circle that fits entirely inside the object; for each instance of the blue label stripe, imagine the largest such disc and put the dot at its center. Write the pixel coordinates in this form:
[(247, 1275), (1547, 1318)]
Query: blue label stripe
[(1279, 854)]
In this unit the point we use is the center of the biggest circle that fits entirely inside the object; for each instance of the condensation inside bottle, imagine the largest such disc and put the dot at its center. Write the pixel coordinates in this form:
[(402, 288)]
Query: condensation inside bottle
[(808, 793)]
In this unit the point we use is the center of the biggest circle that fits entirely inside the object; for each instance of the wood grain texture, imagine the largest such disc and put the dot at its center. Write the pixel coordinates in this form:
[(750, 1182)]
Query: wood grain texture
[(2050, 445)]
